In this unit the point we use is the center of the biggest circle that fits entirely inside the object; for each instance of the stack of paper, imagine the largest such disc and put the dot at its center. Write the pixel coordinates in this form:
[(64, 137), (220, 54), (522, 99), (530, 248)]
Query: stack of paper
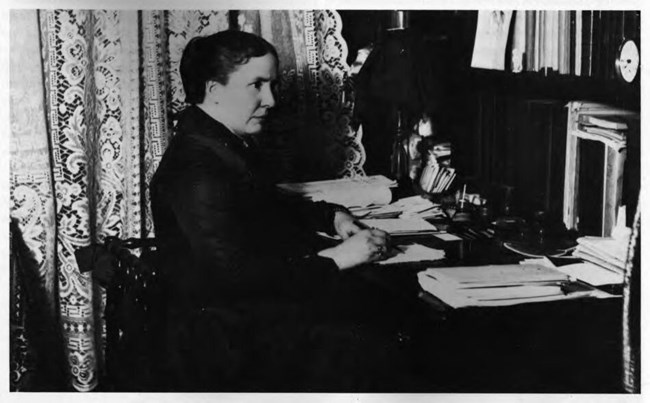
[(609, 253), (401, 226), (413, 253), (348, 192), (604, 121), (583, 271), (500, 285), (415, 206), (607, 129)]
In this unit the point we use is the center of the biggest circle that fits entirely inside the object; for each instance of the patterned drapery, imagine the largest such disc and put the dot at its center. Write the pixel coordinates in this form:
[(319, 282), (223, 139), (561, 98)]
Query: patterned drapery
[(94, 94)]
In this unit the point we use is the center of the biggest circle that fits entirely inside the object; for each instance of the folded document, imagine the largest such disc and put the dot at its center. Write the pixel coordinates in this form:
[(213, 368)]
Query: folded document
[(413, 253)]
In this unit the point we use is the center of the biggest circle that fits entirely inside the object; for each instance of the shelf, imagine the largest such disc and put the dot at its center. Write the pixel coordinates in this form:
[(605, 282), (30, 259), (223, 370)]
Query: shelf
[(558, 87)]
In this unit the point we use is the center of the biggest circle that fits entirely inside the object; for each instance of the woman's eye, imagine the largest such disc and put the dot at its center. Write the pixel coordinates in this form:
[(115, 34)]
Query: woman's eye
[(258, 85)]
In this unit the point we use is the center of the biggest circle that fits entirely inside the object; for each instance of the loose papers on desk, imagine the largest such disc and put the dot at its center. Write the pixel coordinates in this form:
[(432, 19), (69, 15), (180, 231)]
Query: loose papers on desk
[(348, 192), (414, 206), (413, 253), (401, 226), (590, 273), (610, 253), (501, 285)]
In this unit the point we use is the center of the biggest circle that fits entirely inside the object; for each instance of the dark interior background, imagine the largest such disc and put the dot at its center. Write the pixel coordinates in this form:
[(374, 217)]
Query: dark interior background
[(507, 129)]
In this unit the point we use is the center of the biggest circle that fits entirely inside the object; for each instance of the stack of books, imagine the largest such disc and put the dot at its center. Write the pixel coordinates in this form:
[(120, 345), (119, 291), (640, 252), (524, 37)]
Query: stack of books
[(436, 178), (608, 129), (571, 42)]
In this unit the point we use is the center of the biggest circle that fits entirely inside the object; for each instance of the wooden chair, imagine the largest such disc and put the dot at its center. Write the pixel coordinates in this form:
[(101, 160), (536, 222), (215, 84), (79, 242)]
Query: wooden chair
[(134, 312)]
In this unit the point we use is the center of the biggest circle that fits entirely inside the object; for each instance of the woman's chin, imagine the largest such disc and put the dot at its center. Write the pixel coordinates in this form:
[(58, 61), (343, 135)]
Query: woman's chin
[(254, 127)]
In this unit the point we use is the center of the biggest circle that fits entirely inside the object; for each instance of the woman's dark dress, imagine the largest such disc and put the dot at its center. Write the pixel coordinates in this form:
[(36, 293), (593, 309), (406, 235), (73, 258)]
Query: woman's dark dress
[(251, 306)]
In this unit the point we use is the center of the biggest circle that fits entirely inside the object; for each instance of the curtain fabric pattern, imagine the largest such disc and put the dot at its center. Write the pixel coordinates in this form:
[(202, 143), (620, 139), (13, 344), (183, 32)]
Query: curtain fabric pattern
[(91, 120), (30, 183), (313, 114)]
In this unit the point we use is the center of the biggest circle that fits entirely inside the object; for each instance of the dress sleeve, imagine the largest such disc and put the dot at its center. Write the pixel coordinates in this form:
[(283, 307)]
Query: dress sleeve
[(206, 209), (318, 216)]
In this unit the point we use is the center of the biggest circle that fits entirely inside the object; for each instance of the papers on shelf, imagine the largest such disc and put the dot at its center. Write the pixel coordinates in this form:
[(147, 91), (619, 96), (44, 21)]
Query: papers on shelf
[(348, 192), (610, 130), (501, 285), (610, 139), (584, 271), (401, 226), (605, 121), (413, 253)]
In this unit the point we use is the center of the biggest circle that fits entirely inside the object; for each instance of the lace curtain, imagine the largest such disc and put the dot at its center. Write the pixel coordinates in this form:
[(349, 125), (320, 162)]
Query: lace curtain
[(91, 120)]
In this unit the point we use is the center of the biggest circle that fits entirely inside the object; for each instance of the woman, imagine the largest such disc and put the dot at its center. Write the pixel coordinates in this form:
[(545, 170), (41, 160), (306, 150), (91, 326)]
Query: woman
[(245, 287)]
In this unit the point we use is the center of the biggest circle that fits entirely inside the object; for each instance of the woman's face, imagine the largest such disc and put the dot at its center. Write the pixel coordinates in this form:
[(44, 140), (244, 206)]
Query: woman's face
[(243, 102)]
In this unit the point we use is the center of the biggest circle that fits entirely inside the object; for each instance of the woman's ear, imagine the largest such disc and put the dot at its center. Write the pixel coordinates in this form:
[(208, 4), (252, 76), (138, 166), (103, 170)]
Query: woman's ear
[(212, 91)]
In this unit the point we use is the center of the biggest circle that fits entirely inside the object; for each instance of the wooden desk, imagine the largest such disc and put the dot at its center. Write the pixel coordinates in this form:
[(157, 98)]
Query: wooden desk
[(551, 347)]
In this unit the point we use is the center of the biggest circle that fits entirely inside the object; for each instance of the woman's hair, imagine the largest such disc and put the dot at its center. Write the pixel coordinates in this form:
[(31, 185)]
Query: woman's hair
[(215, 56)]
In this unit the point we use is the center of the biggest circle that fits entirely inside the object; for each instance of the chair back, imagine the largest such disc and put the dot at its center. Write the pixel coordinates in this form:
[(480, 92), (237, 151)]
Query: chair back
[(134, 311)]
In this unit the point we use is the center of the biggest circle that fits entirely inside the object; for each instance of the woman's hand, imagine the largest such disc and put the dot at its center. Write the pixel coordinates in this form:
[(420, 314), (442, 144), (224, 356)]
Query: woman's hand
[(346, 225), (367, 245)]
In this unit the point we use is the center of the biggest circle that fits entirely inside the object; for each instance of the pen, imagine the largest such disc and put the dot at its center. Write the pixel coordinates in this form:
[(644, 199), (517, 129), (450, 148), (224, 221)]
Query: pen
[(394, 248), (462, 199)]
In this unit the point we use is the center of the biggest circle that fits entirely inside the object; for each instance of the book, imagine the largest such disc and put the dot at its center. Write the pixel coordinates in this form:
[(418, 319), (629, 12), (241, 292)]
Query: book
[(587, 42), (576, 42), (530, 40), (596, 51), (519, 42), (604, 121)]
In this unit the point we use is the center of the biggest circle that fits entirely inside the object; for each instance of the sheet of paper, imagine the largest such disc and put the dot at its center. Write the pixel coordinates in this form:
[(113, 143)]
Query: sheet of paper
[(349, 192), (592, 274), (360, 196), (414, 253), (491, 37), (400, 225), (445, 236)]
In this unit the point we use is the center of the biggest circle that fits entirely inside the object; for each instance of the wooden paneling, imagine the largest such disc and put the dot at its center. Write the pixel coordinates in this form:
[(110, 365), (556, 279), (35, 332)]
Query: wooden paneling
[(519, 142)]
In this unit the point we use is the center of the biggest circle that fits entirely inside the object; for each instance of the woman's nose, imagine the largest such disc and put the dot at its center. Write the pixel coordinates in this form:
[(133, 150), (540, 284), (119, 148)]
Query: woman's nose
[(268, 98)]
